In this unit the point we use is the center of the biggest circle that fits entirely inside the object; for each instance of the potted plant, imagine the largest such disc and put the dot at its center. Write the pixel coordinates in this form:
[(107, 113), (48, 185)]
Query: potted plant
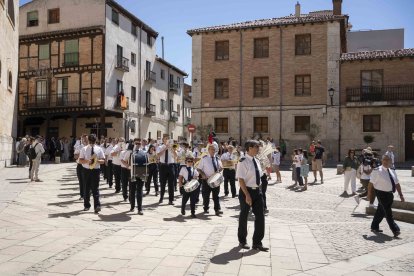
[(368, 139)]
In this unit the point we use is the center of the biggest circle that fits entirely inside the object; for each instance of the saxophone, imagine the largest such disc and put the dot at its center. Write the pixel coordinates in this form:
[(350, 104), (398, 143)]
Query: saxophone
[(93, 160)]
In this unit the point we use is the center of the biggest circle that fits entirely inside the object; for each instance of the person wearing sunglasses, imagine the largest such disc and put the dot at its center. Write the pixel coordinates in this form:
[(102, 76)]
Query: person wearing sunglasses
[(188, 173)]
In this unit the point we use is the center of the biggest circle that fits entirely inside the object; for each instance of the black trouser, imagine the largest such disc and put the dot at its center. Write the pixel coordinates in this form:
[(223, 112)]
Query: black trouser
[(110, 173), (259, 222), (152, 175), (385, 200), (125, 177), (117, 174), (264, 189), (135, 192), (193, 198), (79, 173), (103, 170), (229, 176), (177, 167), (207, 190), (167, 173), (91, 180), (298, 177), (31, 164)]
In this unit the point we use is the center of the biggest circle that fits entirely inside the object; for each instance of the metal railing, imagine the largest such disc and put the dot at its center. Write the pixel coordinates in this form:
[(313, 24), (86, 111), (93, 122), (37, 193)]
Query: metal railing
[(71, 59), (173, 86), (150, 110), (380, 93), (55, 100), (150, 76), (174, 116), (122, 64)]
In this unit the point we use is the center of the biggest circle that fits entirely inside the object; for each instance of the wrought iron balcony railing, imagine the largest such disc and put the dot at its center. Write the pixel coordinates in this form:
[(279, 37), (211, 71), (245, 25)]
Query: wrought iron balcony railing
[(380, 93), (150, 76), (55, 100), (150, 110), (71, 59), (122, 64)]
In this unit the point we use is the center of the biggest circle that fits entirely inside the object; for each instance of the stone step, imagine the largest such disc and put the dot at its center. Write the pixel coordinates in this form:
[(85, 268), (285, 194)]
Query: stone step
[(409, 206), (398, 214)]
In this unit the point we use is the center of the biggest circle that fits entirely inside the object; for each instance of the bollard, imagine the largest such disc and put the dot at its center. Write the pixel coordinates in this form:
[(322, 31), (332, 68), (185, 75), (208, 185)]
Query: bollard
[(339, 169), (412, 171)]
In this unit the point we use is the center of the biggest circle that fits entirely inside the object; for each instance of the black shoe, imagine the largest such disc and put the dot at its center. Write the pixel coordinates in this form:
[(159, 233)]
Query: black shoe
[(260, 248), (110, 186), (147, 193), (244, 245), (140, 213), (175, 189), (125, 199), (206, 212), (117, 191), (132, 209), (266, 210), (376, 230), (86, 209), (161, 200), (81, 198), (193, 216), (226, 194), (170, 203), (156, 193), (396, 233), (97, 210), (234, 196), (183, 212), (218, 213)]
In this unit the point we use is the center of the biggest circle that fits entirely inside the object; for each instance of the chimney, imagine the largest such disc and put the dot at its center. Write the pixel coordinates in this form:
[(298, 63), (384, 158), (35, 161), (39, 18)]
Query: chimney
[(337, 7), (297, 9)]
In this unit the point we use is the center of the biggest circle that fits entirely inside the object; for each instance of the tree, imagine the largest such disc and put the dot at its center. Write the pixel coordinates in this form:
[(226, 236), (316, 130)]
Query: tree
[(314, 130), (204, 131)]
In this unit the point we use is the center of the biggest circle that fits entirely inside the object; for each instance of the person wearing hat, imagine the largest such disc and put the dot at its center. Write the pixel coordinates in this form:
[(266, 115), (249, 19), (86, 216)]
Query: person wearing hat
[(229, 173), (188, 173), (209, 165)]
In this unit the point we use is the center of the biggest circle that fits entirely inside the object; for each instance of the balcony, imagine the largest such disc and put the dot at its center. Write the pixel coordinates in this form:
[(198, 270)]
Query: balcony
[(121, 104), (173, 87), (54, 100), (150, 110), (71, 59), (122, 64), (150, 76), (174, 116), (386, 93)]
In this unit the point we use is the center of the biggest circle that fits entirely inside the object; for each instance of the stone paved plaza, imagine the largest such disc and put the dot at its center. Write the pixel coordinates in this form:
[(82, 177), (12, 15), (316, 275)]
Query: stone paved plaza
[(43, 231)]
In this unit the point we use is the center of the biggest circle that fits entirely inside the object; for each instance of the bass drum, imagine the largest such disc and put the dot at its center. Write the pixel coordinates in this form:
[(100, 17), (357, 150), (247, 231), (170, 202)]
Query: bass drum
[(215, 180), (191, 186)]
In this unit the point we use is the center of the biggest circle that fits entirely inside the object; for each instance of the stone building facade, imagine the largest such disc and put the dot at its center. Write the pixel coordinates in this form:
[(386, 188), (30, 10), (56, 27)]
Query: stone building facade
[(9, 26), (78, 59)]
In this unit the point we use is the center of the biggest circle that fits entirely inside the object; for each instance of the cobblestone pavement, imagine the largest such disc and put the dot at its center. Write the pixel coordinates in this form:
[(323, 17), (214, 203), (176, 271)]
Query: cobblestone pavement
[(43, 231)]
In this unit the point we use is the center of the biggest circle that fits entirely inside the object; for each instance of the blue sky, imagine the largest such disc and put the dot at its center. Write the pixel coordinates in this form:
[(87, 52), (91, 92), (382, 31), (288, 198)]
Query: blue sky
[(172, 18)]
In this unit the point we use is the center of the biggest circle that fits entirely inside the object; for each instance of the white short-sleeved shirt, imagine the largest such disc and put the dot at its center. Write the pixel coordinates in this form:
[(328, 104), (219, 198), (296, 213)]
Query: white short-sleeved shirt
[(206, 165), (381, 179), (196, 152), (365, 176), (390, 154), (121, 157), (77, 148), (170, 158), (276, 158), (228, 157), (125, 155), (108, 151), (184, 173), (298, 161), (85, 153), (116, 160), (246, 171)]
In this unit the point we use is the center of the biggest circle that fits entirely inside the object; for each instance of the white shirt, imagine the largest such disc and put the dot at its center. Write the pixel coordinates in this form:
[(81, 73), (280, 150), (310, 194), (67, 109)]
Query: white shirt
[(381, 179), (77, 148), (246, 171), (184, 173), (116, 160), (121, 157), (162, 156), (206, 165), (298, 160), (390, 154), (85, 153), (39, 149), (365, 176), (228, 157), (108, 151), (276, 158), (182, 153), (125, 156), (196, 152)]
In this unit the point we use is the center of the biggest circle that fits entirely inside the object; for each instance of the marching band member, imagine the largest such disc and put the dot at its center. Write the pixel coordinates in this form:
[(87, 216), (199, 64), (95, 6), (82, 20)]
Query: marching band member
[(108, 161), (116, 162), (229, 172), (83, 142), (167, 169), (152, 170), (248, 174), (187, 173), (209, 165), (136, 186), (125, 173), (91, 157)]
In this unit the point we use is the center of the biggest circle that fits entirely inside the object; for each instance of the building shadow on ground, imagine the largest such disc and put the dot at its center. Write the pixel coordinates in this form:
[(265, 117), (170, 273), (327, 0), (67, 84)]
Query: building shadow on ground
[(234, 254), (118, 217)]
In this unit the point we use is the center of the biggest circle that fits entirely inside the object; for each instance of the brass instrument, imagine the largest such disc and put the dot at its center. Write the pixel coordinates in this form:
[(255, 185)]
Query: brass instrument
[(93, 161), (152, 158), (264, 152), (231, 164)]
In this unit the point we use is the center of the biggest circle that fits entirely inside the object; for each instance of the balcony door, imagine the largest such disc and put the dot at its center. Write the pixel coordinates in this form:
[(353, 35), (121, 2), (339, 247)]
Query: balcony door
[(147, 69), (41, 92), (62, 92), (148, 100), (119, 55), (371, 85), (409, 137)]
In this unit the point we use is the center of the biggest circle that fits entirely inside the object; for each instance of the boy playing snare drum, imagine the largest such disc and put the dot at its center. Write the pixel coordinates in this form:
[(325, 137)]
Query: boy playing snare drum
[(188, 173)]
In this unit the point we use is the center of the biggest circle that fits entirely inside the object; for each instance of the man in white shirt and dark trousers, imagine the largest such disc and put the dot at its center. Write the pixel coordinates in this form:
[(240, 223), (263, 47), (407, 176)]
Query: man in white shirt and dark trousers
[(91, 172), (250, 196), (167, 169), (109, 167), (83, 142), (229, 173), (385, 183), (209, 165), (116, 163)]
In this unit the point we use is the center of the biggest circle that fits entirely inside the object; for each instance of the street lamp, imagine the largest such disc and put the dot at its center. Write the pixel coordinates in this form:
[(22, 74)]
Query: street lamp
[(331, 93)]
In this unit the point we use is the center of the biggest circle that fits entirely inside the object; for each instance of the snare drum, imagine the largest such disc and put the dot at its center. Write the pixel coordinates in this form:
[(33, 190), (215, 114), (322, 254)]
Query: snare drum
[(191, 186), (215, 180)]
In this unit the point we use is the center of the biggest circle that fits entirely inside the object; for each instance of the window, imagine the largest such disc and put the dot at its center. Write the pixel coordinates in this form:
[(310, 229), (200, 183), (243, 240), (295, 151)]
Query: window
[(302, 124), (10, 81), (44, 51), (53, 16), (171, 107), (178, 109), (158, 134), (372, 123), (115, 17), (303, 44), (303, 85), (72, 52), (10, 11), (119, 86), (133, 29), (221, 90), (260, 124), (221, 125), (62, 91), (261, 87), (162, 106), (261, 47), (148, 99), (163, 74), (222, 50), (149, 40), (171, 79), (32, 19), (133, 59), (41, 90), (178, 82), (133, 93), (372, 78)]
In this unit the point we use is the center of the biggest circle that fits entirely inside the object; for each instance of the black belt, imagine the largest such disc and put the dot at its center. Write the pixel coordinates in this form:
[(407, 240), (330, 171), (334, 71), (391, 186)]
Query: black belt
[(252, 188)]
